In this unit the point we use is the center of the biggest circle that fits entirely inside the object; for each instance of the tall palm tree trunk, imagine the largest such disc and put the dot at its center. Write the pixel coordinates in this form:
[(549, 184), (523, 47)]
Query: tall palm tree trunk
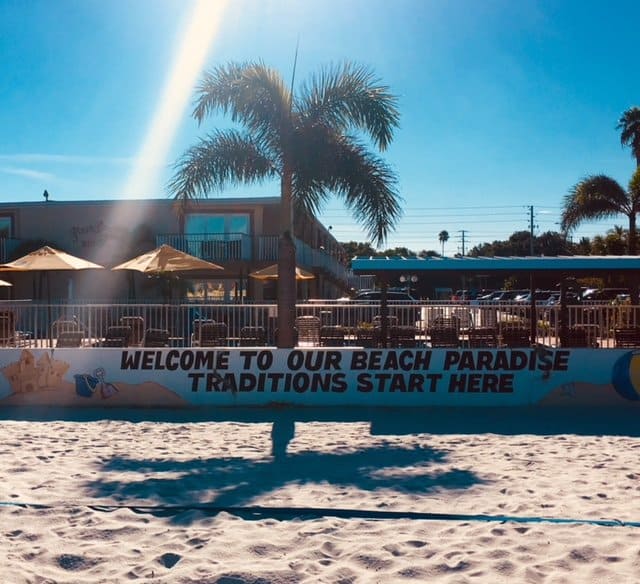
[(286, 264)]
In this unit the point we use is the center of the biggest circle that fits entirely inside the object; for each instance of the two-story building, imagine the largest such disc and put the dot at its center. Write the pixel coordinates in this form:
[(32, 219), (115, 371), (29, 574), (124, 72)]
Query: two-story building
[(240, 234)]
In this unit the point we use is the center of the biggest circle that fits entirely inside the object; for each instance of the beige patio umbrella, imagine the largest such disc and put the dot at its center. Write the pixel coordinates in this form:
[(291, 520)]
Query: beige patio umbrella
[(48, 259), (166, 259), (271, 273)]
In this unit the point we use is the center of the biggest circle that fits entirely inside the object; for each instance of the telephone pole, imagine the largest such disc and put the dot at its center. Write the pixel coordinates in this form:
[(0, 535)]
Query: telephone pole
[(463, 233), (532, 226)]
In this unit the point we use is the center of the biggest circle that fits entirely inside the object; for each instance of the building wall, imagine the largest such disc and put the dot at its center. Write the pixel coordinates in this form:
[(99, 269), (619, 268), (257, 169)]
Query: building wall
[(109, 232)]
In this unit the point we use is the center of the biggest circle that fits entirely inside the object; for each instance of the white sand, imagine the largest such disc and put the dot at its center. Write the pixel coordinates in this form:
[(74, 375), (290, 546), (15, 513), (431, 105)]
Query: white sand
[(72, 466)]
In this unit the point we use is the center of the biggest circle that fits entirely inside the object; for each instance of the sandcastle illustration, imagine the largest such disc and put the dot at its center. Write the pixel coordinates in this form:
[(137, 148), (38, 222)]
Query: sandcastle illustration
[(29, 374)]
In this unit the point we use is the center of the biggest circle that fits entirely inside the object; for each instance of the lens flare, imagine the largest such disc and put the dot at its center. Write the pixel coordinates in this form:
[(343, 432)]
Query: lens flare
[(187, 66)]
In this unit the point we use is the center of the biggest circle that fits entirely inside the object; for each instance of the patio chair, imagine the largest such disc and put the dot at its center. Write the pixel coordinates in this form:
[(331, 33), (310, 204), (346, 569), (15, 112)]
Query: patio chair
[(627, 337), (515, 337), (253, 336), (403, 336), (482, 337), (444, 337), (156, 337), (195, 329), (137, 328), (7, 328), (574, 337), (308, 328), (213, 334), (117, 336), (332, 336), (69, 339)]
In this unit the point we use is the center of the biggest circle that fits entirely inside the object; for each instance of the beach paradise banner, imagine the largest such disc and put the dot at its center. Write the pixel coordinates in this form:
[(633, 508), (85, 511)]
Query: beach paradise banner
[(150, 377)]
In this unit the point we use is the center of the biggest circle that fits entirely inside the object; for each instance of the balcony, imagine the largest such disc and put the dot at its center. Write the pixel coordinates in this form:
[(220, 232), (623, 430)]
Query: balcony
[(224, 248)]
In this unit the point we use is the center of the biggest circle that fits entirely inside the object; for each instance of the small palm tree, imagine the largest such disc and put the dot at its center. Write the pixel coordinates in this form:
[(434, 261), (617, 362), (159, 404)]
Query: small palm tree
[(443, 237), (306, 141), (599, 197), (629, 126)]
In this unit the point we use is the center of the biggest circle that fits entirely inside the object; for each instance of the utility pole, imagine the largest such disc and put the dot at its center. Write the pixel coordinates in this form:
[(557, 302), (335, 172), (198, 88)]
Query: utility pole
[(531, 228), (463, 233)]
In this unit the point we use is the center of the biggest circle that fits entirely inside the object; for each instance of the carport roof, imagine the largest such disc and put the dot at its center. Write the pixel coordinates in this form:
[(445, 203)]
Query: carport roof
[(566, 264)]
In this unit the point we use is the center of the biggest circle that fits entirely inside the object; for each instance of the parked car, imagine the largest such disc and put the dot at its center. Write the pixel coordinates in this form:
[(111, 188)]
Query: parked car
[(365, 305)]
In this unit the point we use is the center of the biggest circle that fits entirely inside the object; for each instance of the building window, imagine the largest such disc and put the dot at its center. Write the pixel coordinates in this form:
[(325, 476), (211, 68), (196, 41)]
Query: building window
[(6, 226), (217, 236)]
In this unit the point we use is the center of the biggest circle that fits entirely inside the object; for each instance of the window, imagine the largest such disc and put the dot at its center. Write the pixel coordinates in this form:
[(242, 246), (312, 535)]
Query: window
[(217, 236)]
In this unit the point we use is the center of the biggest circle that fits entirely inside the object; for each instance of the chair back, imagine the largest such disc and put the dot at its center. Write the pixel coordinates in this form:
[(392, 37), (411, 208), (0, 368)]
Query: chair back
[(253, 336), (69, 339), (137, 328), (308, 328), (156, 337), (117, 336), (213, 334)]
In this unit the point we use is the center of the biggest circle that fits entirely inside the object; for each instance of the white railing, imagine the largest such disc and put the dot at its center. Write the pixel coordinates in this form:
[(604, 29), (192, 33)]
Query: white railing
[(26, 322)]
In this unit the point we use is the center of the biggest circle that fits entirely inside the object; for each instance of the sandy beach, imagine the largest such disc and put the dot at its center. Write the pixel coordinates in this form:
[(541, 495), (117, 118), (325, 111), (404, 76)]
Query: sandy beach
[(90, 500)]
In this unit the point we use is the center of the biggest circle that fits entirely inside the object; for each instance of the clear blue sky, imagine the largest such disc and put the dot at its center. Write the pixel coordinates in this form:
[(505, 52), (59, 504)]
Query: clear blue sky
[(505, 103)]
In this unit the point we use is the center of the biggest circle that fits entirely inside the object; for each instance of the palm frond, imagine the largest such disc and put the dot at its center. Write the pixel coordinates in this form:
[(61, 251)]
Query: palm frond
[(252, 94), (348, 97), (629, 127), (223, 158), (346, 168), (594, 197)]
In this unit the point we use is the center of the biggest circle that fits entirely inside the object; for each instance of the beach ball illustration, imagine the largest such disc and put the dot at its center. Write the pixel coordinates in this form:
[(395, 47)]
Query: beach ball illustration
[(626, 376)]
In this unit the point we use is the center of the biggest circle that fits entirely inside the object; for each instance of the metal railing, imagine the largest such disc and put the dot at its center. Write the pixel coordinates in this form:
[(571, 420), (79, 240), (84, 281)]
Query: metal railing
[(37, 324)]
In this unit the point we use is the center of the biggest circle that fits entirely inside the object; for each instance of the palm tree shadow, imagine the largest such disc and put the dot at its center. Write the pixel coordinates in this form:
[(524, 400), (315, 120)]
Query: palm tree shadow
[(236, 481)]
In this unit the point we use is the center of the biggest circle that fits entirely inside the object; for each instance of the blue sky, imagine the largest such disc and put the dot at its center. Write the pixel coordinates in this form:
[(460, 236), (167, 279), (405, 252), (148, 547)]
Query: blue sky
[(505, 103)]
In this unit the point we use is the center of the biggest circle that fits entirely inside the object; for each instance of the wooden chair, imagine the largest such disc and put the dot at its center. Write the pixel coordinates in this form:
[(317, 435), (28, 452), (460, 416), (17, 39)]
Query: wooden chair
[(117, 336), (137, 328), (253, 336), (482, 337), (627, 337), (156, 337)]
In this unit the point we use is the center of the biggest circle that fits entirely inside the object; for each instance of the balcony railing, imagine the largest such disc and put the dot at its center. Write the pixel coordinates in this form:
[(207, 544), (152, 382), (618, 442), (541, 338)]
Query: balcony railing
[(232, 247)]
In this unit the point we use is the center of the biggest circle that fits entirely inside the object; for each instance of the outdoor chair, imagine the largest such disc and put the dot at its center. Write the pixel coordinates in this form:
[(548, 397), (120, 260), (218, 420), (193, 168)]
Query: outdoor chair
[(213, 334), (253, 336), (403, 336), (482, 337), (515, 337), (368, 336), (308, 328), (137, 328), (574, 337), (332, 336), (69, 339), (117, 336), (627, 337), (7, 328), (444, 337), (156, 337), (195, 329)]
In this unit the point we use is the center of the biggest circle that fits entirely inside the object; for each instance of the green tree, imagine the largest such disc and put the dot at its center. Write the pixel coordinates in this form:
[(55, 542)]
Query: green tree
[(629, 126), (443, 237), (599, 197), (307, 141)]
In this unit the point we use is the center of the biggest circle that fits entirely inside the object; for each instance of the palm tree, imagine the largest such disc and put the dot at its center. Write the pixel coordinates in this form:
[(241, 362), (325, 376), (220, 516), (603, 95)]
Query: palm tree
[(598, 197), (305, 140), (629, 126), (443, 237)]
